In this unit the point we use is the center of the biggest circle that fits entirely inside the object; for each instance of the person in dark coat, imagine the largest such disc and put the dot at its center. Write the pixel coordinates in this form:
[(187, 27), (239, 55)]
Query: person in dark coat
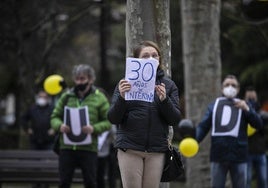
[(36, 123), (257, 148), (143, 127), (227, 118)]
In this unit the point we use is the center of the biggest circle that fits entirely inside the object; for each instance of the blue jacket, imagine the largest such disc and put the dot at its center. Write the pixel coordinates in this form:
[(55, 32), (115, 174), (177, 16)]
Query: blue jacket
[(229, 140)]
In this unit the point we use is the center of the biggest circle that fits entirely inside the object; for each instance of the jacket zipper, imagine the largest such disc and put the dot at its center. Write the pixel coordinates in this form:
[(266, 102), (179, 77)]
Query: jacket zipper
[(149, 129)]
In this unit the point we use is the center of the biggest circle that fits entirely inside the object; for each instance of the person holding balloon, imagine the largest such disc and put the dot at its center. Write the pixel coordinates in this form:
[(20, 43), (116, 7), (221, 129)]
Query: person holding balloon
[(257, 147), (227, 118), (80, 115)]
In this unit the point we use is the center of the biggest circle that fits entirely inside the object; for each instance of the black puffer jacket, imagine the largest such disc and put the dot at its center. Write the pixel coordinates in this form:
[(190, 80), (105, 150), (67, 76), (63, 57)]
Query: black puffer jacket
[(143, 126)]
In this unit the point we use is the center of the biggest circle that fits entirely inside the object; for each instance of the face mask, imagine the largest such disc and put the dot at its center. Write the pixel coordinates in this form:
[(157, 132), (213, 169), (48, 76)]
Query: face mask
[(81, 87), (154, 60), (254, 104), (229, 92), (252, 101), (41, 101)]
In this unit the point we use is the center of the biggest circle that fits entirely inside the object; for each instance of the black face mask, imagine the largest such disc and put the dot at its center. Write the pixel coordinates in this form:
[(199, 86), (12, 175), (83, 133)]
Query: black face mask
[(254, 104), (81, 87)]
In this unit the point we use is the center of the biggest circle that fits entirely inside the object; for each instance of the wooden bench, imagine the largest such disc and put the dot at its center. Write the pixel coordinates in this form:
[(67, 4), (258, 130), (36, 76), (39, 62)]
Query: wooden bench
[(29, 166)]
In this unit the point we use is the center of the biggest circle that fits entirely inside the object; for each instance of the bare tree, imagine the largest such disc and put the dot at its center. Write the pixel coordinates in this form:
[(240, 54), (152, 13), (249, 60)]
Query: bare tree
[(202, 74)]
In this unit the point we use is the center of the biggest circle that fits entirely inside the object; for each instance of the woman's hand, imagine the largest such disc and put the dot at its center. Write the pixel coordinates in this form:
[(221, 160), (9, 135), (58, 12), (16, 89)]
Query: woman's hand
[(161, 91), (124, 87)]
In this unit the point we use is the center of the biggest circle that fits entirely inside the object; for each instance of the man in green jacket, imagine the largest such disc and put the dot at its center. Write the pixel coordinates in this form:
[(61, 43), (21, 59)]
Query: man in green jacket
[(79, 116)]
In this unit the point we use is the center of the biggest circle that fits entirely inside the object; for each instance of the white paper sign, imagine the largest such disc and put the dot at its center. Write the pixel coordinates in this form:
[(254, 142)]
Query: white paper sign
[(141, 74), (226, 118), (102, 138), (76, 118)]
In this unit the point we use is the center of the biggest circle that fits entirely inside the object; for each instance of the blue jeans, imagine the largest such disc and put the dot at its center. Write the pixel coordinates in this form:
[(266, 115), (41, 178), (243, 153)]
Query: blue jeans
[(258, 162), (238, 172)]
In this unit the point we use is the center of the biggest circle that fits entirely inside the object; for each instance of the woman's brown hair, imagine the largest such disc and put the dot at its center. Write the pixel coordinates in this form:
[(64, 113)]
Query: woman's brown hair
[(147, 43)]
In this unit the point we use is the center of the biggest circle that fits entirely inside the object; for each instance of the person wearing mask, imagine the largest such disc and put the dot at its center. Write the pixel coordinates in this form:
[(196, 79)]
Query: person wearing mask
[(36, 123), (257, 147), (79, 134), (227, 118), (143, 127)]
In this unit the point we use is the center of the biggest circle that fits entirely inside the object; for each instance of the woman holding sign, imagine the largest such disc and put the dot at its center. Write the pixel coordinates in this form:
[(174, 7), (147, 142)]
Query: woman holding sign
[(143, 116)]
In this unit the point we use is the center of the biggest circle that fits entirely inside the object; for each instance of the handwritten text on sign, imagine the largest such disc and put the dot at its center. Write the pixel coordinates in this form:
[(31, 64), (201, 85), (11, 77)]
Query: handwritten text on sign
[(141, 74)]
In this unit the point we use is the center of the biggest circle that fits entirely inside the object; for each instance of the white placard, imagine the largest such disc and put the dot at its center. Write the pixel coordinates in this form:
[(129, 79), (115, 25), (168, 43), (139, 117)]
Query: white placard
[(141, 74), (226, 118), (76, 118), (102, 138)]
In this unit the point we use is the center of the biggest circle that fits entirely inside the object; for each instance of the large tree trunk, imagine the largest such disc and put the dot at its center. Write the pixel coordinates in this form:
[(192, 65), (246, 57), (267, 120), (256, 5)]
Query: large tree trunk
[(149, 20), (202, 74)]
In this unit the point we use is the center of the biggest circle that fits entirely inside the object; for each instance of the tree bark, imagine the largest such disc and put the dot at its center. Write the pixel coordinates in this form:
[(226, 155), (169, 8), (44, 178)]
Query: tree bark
[(202, 75), (149, 20)]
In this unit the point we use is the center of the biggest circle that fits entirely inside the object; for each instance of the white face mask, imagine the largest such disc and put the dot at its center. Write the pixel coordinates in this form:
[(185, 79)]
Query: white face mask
[(41, 101), (229, 92), (155, 60)]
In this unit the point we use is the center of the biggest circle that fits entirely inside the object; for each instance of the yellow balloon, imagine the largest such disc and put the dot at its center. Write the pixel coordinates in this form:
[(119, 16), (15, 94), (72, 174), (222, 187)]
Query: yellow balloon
[(188, 147), (250, 130), (52, 84)]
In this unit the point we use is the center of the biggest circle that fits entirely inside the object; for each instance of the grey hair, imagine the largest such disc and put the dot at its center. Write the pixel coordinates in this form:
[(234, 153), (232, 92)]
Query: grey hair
[(84, 69)]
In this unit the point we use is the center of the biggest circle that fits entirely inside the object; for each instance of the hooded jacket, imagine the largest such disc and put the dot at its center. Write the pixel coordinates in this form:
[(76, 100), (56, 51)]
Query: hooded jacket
[(143, 126)]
